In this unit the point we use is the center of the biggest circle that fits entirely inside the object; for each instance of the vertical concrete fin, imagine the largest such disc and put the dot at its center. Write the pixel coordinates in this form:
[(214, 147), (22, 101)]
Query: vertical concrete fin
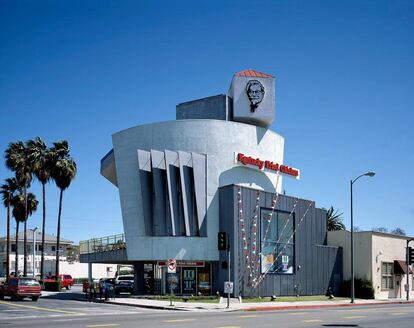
[(145, 177), (173, 172), (185, 162), (161, 218), (200, 178)]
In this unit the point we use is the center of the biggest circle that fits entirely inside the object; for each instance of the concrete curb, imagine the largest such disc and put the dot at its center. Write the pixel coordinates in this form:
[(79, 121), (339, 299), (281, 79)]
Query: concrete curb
[(156, 307), (320, 306), (252, 309)]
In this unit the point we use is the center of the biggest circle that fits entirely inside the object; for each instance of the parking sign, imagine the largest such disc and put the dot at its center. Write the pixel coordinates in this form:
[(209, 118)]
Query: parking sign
[(172, 265), (228, 287)]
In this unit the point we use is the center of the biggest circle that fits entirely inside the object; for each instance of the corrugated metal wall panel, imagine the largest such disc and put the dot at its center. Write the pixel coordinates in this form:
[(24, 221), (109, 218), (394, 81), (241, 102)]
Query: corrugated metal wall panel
[(318, 264)]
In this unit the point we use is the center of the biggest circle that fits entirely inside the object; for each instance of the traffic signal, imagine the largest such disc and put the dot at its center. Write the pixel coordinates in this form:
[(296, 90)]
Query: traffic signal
[(222, 241), (410, 256)]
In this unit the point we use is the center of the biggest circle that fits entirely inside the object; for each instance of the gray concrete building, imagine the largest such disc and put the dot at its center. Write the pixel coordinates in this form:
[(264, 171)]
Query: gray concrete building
[(216, 168)]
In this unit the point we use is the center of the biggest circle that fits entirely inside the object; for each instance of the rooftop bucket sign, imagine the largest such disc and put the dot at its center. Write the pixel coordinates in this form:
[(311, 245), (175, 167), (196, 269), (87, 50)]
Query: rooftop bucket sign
[(266, 165)]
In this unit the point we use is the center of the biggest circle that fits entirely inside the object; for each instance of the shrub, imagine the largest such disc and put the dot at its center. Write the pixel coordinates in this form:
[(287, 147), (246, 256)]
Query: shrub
[(363, 289)]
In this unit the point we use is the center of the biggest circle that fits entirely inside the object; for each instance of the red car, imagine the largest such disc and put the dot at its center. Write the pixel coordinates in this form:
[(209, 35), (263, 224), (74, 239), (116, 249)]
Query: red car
[(66, 280), (19, 288)]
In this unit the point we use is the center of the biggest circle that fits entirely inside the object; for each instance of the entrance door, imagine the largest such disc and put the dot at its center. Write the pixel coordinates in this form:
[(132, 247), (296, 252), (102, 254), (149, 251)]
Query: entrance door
[(148, 278), (398, 286)]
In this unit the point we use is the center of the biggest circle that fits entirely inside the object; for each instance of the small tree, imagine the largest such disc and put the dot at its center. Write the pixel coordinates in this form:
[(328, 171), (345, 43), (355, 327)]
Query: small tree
[(334, 220), (398, 231), (380, 229)]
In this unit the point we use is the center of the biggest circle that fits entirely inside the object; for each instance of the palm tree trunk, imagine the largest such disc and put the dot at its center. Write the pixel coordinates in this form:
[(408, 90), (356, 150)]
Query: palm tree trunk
[(25, 249), (8, 240), (16, 263), (25, 236), (42, 258), (58, 235)]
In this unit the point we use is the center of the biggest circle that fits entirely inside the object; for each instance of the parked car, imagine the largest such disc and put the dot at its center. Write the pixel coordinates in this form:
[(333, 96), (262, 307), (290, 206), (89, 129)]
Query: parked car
[(66, 280), (19, 288), (124, 284)]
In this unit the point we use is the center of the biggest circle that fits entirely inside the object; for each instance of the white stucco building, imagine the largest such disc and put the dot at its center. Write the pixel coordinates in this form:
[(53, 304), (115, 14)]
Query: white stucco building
[(379, 258), (69, 261)]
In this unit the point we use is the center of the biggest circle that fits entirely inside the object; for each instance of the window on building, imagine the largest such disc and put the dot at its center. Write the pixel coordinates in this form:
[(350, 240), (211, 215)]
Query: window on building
[(277, 242), (387, 279), (53, 248), (13, 247), (39, 247)]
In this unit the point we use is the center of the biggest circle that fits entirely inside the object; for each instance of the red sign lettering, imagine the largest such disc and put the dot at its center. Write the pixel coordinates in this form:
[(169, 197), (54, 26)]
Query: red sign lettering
[(268, 165)]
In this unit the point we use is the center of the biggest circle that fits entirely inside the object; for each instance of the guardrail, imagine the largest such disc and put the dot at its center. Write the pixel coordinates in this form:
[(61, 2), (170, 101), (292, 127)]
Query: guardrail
[(103, 244)]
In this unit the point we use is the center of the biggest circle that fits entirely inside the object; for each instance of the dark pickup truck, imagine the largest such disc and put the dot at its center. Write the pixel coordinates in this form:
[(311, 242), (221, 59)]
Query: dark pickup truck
[(19, 288)]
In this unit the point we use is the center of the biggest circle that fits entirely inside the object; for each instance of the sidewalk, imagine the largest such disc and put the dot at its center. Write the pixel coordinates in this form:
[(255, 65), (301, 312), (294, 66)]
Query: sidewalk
[(236, 306)]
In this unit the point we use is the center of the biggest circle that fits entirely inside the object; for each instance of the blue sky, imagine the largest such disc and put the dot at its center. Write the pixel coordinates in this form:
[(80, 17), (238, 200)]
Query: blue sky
[(82, 70)]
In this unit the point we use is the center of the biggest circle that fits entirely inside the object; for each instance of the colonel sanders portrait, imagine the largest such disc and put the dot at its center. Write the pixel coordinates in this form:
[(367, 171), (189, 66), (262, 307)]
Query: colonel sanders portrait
[(255, 92)]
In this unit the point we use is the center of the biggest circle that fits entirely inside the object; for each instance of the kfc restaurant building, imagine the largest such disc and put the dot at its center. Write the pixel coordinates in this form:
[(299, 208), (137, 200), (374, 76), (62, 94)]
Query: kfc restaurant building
[(219, 168)]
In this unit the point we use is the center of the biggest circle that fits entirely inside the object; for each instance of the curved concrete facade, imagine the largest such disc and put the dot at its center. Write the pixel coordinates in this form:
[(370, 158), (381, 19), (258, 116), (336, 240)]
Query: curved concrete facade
[(219, 140)]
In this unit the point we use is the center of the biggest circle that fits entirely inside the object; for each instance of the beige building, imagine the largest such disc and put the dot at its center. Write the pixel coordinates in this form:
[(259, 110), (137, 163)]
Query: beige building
[(379, 258), (69, 257)]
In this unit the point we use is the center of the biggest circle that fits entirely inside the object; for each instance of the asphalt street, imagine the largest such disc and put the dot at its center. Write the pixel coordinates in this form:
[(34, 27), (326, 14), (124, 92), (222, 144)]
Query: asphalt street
[(58, 312)]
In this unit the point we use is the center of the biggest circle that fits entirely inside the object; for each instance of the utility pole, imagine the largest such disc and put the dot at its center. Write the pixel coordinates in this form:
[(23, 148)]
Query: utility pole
[(408, 260), (229, 268)]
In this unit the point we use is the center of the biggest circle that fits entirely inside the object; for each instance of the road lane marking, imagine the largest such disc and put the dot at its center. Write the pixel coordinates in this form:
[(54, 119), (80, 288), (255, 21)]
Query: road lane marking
[(358, 310), (311, 320), (297, 313), (228, 327), (36, 308), (103, 325), (248, 316), (12, 310), (178, 320), (398, 313), (354, 317), (69, 319)]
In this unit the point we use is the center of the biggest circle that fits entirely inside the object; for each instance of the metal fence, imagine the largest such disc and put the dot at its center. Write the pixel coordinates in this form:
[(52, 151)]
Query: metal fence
[(103, 244)]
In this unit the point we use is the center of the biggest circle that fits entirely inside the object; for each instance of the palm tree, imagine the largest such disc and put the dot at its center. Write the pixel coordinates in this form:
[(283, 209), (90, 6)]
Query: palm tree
[(63, 172), (18, 160), (41, 157), (334, 220), (24, 205), (7, 190)]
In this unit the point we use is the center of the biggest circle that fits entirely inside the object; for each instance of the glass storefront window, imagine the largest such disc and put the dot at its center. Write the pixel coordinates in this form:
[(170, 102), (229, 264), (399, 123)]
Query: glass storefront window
[(277, 242), (189, 281), (204, 280)]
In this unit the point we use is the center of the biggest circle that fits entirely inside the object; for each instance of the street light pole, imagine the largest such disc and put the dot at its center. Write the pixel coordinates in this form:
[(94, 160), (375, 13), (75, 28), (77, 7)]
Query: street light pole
[(408, 270), (352, 251), (369, 174)]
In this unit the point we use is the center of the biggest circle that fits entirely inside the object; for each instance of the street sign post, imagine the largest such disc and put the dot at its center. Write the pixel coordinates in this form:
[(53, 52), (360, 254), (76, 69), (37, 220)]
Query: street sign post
[(228, 287), (172, 268)]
